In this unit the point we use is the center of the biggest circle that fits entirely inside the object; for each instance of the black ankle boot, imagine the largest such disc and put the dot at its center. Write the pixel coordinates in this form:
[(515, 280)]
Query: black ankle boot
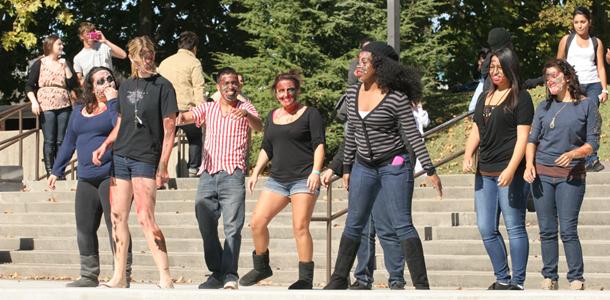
[(305, 281), (261, 269), (345, 260), (414, 255)]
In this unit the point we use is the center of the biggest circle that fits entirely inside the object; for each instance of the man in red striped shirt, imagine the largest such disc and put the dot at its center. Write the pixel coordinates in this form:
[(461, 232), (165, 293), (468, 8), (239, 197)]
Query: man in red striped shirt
[(221, 188)]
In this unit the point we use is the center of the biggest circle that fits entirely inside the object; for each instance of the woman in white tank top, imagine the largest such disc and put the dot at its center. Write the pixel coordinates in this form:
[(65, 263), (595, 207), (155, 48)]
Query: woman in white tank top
[(588, 61)]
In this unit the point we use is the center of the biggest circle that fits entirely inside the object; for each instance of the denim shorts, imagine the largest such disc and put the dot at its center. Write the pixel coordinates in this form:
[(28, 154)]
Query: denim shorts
[(290, 188), (127, 168)]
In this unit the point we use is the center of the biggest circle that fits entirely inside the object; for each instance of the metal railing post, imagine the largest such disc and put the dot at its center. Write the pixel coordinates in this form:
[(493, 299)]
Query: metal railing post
[(329, 229), (21, 140), (37, 160), (179, 167)]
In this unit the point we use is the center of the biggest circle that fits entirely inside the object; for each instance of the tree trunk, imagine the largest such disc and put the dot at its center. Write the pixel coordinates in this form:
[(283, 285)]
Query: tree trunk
[(145, 17)]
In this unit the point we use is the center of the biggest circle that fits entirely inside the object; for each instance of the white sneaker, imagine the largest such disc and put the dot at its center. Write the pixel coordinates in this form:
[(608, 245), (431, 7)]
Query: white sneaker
[(549, 284), (231, 285), (577, 285)]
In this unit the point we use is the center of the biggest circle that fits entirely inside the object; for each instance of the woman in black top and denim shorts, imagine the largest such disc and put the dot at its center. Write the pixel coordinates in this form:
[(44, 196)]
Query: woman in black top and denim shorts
[(294, 142)]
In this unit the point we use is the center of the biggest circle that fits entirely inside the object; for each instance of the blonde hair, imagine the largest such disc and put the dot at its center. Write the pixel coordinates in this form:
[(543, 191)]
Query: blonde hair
[(85, 27), (134, 47)]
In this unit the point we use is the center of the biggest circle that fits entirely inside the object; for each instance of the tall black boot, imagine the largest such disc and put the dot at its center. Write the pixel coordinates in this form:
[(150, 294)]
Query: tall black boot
[(345, 260), (261, 269), (305, 281), (414, 255), (89, 272), (48, 164)]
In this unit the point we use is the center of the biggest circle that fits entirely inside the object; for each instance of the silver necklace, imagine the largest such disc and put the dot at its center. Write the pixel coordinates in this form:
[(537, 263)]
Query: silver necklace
[(552, 124)]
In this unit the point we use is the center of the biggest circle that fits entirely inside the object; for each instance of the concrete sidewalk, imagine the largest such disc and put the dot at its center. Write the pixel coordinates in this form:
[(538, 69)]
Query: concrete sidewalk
[(47, 290)]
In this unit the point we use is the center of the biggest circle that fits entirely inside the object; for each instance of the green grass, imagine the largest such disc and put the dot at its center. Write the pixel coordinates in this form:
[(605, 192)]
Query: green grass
[(453, 139)]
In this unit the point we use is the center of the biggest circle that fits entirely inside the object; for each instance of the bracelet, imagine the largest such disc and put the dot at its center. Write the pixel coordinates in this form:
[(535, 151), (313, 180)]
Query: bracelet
[(605, 91), (315, 172)]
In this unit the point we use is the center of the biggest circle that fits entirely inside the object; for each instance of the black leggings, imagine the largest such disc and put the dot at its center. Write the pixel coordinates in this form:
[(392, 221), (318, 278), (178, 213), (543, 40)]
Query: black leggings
[(92, 200)]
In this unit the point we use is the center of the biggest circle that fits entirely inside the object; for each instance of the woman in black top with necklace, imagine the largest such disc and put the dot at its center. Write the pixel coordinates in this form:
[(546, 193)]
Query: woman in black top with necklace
[(376, 159), (294, 143), (502, 119)]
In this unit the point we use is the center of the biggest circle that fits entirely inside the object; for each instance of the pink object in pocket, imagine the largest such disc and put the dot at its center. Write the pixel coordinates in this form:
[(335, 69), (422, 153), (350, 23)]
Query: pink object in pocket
[(398, 160)]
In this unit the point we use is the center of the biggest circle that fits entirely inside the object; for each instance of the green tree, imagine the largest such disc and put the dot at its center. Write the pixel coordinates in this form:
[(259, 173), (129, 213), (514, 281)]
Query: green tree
[(120, 21), (555, 20), (18, 14)]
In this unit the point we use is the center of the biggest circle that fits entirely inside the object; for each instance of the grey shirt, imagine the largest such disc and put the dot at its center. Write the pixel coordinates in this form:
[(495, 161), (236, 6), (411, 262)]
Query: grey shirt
[(575, 125)]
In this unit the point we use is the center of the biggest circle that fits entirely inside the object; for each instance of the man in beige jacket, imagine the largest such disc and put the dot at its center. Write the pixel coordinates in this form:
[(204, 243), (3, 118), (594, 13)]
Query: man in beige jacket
[(184, 71)]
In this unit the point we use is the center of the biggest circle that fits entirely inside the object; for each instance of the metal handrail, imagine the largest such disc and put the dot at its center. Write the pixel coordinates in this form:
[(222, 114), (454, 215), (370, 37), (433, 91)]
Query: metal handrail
[(330, 217), (447, 124), (14, 139), (18, 109), (9, 112)]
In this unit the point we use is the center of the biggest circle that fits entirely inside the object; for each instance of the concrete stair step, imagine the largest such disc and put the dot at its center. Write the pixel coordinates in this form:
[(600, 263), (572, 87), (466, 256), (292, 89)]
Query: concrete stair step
[(438, 279), (446, 247), (317, 229), (281, 260), (285, 217), (18, 205), (11, 173), (601, 190)]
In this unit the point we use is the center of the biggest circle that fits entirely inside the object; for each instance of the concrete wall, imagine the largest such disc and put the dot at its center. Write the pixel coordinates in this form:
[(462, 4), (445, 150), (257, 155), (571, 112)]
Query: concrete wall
[(10, 156)]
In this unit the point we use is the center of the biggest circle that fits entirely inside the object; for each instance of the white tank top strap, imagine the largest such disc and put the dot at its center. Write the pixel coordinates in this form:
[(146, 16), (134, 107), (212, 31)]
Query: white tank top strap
[(582, 59)]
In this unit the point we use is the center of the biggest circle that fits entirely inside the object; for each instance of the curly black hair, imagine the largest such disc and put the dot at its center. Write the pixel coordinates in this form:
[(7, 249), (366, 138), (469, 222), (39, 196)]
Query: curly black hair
[(89, 100), (574, 88), (391, 75)]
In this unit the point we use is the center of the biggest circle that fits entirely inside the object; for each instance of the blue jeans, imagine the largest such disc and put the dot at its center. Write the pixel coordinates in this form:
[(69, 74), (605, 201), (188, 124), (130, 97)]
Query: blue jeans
[(490, 201), (221, 193), (393, 257), (559, 199), (53, 124), (592, 90), (396, 185)]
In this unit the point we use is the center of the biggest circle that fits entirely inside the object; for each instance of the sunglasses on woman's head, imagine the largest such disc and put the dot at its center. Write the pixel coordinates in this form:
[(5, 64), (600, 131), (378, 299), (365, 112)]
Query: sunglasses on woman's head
[(102, 81)]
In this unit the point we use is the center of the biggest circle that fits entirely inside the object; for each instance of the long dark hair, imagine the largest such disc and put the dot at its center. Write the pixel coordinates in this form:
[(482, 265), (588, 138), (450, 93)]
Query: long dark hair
[(89, 99), (583, 11), (510, 67), (569, 74), (391, 75)]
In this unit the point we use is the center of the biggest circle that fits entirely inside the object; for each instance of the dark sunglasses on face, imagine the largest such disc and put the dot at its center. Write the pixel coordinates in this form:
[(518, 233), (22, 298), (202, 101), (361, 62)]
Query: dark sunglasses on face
[(102, 81)]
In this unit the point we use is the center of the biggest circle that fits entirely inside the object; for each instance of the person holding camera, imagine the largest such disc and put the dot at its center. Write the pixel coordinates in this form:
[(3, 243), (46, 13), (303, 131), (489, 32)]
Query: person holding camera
[(97, 51)]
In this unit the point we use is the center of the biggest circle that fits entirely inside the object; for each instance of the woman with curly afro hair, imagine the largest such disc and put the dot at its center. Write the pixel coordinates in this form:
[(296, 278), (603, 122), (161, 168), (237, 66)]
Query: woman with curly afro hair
[(380, 128)]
